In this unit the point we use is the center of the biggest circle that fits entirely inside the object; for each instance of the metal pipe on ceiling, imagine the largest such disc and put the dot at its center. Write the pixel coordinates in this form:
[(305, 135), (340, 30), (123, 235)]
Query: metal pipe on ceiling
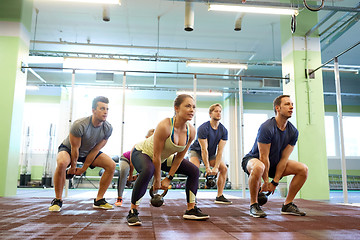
[(158, 72), (141, 47), (277, 4)]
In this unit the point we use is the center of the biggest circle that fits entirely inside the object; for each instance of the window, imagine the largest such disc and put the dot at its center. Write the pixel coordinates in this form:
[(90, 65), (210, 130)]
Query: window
[(330, 135), (351, 135), (37, 120), (252, 122)]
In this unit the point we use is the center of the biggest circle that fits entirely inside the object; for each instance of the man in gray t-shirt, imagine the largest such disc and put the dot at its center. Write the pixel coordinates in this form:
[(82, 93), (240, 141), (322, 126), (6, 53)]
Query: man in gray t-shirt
[(83, 144)]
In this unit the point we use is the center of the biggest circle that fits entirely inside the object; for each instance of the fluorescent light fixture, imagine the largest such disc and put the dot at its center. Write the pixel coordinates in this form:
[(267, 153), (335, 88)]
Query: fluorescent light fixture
[(95, 63), (252, 9), (344, 70), (118, 2), (40, 59), (32, 88), (209, 93), (216, 65)]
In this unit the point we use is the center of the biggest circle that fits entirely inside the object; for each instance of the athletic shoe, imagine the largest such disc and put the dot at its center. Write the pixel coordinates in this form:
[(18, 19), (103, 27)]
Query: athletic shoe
[(132, 218), (222, 200), (101, 203), (56, 205), (292, 209), (256, 211), (119, 202), (195, 214)]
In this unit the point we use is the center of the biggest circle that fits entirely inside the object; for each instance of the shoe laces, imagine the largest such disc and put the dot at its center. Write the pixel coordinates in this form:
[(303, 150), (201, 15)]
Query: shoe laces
[(292, 206), (257, 207), (101, 201), (133, 212), (197, 209), (56, 201)]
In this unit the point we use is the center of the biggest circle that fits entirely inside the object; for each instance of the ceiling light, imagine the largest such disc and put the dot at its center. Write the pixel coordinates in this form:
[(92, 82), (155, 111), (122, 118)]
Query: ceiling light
[(250, 9), (209, 93), (90, 1), (95, 63), (216, 65)]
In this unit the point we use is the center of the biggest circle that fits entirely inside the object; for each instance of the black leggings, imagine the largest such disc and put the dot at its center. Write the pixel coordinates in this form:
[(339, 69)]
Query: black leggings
[(145, 167)]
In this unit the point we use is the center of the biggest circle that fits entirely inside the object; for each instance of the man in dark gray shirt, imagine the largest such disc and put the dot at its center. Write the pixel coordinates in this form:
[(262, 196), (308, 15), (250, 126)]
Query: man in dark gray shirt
[(86, 138)]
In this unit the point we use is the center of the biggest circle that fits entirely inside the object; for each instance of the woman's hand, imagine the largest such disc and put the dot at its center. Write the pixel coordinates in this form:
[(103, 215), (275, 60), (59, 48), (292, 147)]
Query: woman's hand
[(165, 183)]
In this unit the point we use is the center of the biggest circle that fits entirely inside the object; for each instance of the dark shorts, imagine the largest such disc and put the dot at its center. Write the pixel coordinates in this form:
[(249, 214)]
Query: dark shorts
[(62, 147), (197, 154), (245, 161)]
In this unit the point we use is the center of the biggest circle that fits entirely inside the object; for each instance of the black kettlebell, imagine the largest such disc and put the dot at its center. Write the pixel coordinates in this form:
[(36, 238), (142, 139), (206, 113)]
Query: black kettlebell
[(263, 198), (69, 176), (157, 200), (210, 181)]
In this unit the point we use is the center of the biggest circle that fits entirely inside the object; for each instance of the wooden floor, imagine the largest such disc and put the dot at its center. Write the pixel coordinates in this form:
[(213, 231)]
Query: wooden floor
[(28, 218)]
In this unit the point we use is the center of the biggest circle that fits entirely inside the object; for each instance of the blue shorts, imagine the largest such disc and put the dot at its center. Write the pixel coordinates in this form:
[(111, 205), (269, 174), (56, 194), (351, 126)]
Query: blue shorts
[(245, 161), (62, 147)]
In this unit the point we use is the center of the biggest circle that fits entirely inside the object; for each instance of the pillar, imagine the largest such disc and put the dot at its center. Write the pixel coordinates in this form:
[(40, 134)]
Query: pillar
[(15, 28), (300, 53)]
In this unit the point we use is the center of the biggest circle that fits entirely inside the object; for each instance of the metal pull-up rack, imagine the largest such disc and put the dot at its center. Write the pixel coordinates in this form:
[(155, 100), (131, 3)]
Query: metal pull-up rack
[(340, 116)]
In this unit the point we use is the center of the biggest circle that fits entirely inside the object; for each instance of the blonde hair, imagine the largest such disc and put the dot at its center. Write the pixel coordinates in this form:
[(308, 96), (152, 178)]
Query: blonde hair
[(212, 107)]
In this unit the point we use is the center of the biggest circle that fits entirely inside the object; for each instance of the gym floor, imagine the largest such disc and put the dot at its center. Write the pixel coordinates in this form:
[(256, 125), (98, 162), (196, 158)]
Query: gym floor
[(25, 216)]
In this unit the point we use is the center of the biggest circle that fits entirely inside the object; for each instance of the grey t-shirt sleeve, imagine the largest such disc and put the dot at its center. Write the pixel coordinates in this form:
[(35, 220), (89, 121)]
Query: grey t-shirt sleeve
[(108, 131), (78, 128)]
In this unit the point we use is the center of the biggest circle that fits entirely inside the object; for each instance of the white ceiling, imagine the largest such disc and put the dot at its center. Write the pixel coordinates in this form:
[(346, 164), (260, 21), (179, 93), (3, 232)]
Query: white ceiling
[(153, 30)]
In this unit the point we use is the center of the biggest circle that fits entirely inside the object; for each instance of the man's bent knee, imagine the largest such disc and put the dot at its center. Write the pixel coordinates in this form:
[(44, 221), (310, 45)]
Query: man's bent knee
[(257, 168)]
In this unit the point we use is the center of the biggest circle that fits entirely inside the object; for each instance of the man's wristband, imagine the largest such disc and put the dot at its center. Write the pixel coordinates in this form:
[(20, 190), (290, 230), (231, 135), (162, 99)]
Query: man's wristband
[(274, 183), (169, 177)]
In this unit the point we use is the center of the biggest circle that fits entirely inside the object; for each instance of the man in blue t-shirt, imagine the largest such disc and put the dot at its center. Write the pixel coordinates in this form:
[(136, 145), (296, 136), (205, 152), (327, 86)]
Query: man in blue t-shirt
[(209, 146), (269, 157)]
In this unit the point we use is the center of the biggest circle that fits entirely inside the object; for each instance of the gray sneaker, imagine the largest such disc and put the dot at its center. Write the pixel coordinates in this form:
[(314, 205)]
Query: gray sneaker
[(291, 209), (132, 218), (222, 200), (256, 211)]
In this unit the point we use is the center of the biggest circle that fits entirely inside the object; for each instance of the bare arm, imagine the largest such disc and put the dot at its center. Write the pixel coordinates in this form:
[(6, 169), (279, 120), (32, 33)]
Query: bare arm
[(131, 177), (75, 143), (162, 132), (264, 151), (91, 156), (282, 165), (178, 159), (219, 153), (180, 156), (205, 154)]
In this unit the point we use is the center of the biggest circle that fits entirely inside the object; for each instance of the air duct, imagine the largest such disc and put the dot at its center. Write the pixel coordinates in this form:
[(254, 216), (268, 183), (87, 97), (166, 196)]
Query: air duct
[(189, 16)]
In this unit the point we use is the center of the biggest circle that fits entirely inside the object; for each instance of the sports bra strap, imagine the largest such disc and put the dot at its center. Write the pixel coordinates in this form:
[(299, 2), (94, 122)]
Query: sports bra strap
[(172, 131)]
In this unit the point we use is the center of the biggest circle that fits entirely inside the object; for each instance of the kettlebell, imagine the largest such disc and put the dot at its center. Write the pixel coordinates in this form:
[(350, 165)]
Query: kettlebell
[(262, 198), (210, 181), (157, 200), (69, 176)]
